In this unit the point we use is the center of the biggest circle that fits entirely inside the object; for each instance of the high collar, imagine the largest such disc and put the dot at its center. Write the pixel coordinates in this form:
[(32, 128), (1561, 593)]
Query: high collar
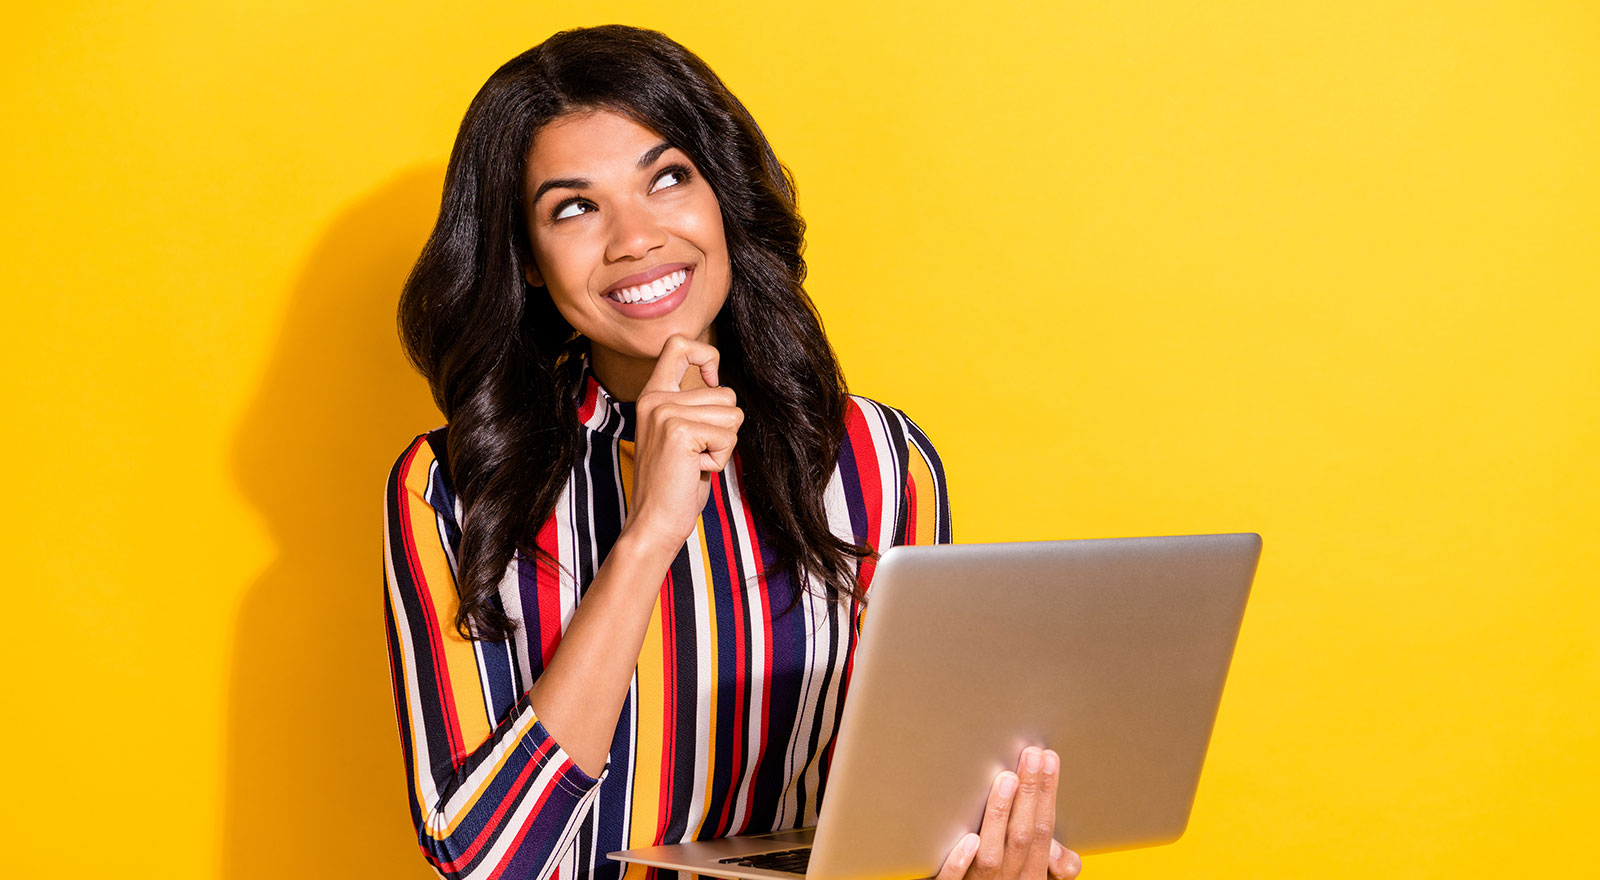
[(599, 411)]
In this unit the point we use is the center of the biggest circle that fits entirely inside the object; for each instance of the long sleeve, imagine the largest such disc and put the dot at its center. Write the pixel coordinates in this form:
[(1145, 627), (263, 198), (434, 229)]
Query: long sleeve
[(925, 499), (492, 793), (898, 475)]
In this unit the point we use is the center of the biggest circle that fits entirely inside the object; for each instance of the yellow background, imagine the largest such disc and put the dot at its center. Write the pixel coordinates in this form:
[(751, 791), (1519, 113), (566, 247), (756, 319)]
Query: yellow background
[(1324, 271)]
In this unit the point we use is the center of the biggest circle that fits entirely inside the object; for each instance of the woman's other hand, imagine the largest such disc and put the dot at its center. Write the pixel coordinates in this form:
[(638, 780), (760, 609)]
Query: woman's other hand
[(1017, 838), (681, 438)]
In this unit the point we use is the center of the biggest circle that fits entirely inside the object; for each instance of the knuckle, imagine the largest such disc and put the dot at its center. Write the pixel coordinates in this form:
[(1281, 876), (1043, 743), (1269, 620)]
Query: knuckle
[(1020, 838), (987, 860)]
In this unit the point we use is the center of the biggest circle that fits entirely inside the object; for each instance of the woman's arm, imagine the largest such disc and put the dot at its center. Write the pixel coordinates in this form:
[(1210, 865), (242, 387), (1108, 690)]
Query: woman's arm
[(488, 795), (682, 439)]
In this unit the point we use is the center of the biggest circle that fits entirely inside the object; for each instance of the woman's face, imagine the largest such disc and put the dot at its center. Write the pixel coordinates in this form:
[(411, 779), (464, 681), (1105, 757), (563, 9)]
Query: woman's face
[(627, 237)]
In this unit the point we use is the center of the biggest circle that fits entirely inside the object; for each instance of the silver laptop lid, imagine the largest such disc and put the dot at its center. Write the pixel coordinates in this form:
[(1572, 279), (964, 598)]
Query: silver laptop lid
[(1112, 652)]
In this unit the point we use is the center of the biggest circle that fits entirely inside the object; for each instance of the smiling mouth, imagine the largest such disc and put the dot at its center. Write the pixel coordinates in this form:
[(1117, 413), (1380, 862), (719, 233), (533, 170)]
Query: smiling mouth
[(646, 293)]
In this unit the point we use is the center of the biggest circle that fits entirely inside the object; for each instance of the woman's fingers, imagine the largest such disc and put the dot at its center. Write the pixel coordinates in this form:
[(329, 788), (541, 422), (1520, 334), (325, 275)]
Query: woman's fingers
[(986, 862), (719, 396), (678, 356), (1064, 863), (955, 864), (1025, 853), (727, 417), (1044, 815), (1016, 838), (681, 437)]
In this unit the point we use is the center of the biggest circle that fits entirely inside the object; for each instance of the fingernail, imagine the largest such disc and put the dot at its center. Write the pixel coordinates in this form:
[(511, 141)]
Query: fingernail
[(1032, 760), (969, 844), (1055, 850), (1008, 784), (1052, 763)]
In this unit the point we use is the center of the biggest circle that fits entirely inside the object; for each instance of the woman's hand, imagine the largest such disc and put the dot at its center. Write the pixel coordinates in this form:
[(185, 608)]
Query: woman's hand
[(681, 438), (1017, 838)]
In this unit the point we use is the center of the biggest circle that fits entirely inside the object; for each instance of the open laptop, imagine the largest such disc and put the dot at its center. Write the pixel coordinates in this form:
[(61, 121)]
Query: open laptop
[(1113, 652)]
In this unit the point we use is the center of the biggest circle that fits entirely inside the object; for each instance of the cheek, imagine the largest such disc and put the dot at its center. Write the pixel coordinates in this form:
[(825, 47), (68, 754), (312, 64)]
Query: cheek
[(712, 238), (564, 273)]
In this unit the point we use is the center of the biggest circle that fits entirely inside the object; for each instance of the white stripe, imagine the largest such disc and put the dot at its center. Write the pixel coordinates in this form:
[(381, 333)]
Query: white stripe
[(523, 813), (830, 707), (566, 518), (435, 473), (811, 609), (633, 747), (705, 675), (939, 490), (511, 598), (630, 759), (891, 470), (754, 598), (461, 800), (422, 759)]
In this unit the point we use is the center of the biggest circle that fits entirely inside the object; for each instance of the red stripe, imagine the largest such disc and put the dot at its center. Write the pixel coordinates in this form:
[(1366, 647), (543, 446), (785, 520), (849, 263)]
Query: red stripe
[(868, 475), (766, 623), (735, 742), (547, 584), (911, 500), (669, 703), (516, 842), (591, 400), (866, 455), (486, 833), (441, 674)]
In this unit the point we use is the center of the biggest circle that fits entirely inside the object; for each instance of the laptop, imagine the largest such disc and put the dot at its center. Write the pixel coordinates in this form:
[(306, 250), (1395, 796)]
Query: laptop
[(1113, 652)]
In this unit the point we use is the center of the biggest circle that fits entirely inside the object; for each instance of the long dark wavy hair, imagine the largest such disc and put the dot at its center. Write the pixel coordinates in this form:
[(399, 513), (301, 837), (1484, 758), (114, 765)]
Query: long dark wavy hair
[(505, 366)]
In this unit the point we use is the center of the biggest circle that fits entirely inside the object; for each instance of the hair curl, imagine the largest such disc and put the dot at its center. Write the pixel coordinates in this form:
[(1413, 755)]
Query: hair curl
[(510, 397)]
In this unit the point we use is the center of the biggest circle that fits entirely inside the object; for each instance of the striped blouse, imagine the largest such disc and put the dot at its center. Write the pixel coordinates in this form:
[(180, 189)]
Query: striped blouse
[(730, 718)]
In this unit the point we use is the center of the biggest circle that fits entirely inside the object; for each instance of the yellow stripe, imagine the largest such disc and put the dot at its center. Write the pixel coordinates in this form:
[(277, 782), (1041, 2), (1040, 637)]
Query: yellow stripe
[(649, 708), (461, 661), (927, 500), (712, 671), (510, 746)]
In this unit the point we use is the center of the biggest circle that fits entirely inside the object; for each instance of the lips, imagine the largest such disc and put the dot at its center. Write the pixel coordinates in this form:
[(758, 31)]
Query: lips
[(655, 299), (646, 277), (645, 293)]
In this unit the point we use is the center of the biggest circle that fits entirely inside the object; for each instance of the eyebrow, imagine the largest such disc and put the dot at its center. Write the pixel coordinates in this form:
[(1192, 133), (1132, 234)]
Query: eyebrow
[(645, 160)]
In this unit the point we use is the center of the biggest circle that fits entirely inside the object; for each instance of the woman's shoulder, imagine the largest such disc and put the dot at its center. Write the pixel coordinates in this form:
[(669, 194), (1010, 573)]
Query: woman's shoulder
[(422, 468), (888, 428)]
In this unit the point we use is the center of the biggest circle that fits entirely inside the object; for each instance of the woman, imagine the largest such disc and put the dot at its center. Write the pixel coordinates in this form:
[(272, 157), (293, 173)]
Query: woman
[(625, 581)]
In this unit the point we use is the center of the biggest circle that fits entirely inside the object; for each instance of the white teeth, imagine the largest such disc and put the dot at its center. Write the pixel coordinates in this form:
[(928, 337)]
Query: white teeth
[(652, 291)]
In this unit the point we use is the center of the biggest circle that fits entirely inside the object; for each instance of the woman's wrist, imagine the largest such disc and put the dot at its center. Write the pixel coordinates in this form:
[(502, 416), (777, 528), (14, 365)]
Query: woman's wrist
[(642, 552)]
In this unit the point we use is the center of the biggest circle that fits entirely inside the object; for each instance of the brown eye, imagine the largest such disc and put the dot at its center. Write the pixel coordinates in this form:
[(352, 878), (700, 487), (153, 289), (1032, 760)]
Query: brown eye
[(565, 209), (678, 174)]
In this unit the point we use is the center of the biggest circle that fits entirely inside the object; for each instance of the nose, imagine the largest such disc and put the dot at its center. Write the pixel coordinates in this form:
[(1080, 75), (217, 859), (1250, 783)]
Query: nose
[(635, 232)]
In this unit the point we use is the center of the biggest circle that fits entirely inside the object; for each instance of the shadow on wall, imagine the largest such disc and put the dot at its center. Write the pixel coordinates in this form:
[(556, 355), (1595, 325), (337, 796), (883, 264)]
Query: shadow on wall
[(315, 782)]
